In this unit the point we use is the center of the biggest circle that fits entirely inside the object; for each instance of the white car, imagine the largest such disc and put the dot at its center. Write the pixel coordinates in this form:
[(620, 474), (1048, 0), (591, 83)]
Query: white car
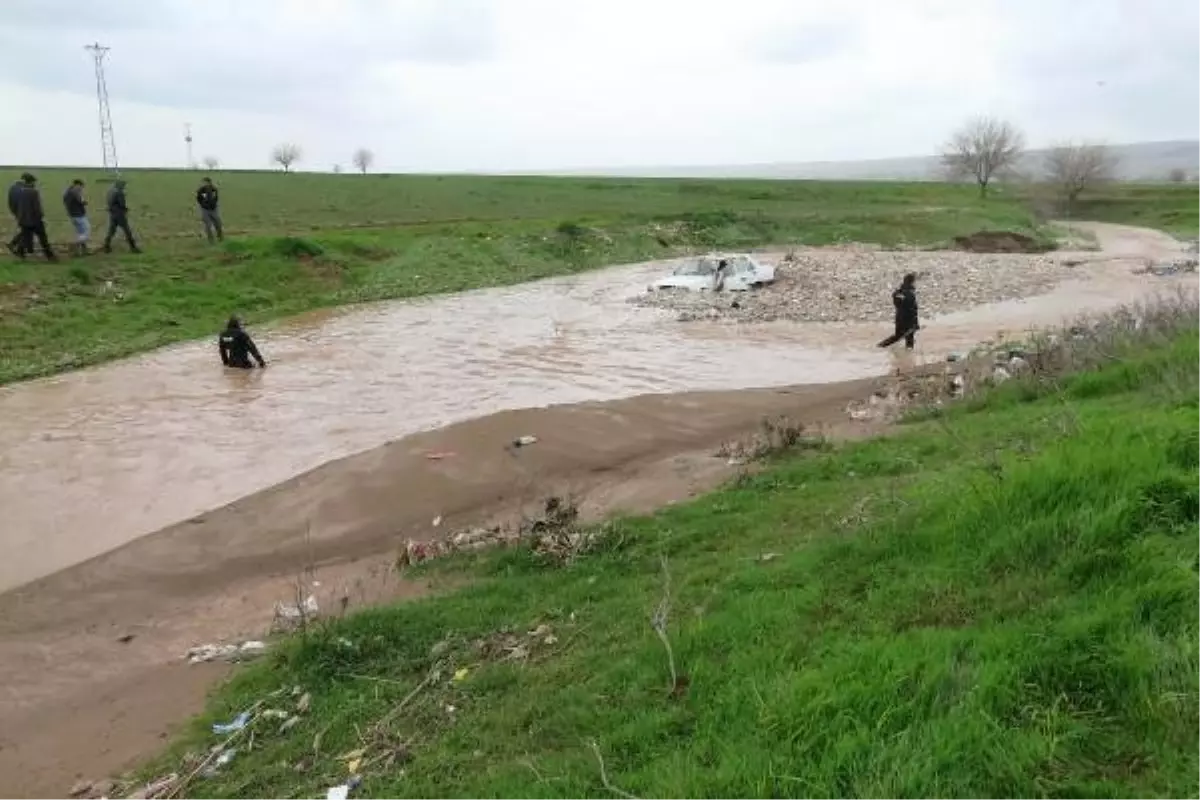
[(717, 272)]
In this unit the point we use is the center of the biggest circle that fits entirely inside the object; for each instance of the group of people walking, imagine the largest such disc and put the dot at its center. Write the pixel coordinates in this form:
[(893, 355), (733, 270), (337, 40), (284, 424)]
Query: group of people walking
[(25, 205)]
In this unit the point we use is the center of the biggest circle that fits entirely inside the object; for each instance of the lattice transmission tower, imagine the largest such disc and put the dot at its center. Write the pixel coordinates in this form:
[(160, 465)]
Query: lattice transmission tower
[(108, 144)]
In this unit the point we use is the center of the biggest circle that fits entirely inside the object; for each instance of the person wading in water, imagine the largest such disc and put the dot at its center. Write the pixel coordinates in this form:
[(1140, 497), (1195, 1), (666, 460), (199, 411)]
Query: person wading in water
[(907, 324), (237, 347)]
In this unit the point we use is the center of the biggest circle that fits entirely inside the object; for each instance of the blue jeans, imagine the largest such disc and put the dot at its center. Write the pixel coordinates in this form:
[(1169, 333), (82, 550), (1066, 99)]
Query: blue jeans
[(83, 229)]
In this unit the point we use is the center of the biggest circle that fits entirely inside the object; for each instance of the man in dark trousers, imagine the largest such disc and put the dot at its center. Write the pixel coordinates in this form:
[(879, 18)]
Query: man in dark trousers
[(907, 325), (236, 346), (76, 207), (32, 219), (118, 217), (207, 198), (13, 192)]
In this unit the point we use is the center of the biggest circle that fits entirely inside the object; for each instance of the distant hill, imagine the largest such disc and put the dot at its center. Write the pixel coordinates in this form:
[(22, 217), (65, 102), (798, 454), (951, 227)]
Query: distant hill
[(1140, 161)]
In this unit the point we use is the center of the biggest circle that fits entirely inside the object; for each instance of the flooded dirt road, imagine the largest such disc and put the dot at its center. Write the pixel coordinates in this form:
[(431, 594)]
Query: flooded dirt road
[(94, 459), (90, 656)]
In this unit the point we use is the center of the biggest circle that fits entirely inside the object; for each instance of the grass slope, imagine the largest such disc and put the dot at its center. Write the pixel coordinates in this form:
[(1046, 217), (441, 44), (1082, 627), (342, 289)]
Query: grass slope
[(1000, 602), (304, 241)]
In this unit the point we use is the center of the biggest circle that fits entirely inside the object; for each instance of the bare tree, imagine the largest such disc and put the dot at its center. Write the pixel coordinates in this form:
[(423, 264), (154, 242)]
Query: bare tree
[(285, 155), (211, 162), (363, 159), (1071, 168), (983, 149), (337, 169), (1177, 175)]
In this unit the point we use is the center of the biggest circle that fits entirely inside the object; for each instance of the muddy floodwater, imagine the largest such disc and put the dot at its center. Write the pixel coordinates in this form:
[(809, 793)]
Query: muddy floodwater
[(93, 459)]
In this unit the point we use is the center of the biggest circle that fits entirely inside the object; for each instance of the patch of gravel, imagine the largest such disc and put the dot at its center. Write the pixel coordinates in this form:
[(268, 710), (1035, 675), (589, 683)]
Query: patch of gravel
[(855, 284)]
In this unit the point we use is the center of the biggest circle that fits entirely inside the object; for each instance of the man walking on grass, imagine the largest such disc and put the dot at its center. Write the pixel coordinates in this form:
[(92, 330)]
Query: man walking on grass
[(118, 217), (32, 219), (77, 211), (13, 192), (207, 198)]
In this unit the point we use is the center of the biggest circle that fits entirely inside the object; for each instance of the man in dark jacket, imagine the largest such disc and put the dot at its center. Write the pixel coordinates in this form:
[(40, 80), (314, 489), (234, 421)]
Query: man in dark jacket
[(32, 219), (907, 324), (118, 217), (207, 198), (236, 346), (13, 191), (76, 208)]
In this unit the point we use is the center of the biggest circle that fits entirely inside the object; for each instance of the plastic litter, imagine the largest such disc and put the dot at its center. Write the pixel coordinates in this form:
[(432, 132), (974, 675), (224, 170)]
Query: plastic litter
[(342, 791), (221, 760), (460, 675), (292, 611), (439, 455), (524, 441), (226, 652), (236, 724)]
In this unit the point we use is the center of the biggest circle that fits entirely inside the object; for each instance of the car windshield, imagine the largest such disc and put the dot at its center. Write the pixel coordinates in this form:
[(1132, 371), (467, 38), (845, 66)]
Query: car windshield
[(701, 266)]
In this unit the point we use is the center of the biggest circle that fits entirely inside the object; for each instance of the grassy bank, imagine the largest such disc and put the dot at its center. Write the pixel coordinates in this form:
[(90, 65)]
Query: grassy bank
[(305, 241), (1000, 601)]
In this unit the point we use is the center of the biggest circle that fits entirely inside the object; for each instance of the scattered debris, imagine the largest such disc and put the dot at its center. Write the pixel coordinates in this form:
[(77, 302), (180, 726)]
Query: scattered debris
[(226, 652), (555, 535), (437, 520), (291, 615), (342, 791), (460, 675), (126, 639), (439, 455), (304, 703), (1168, 268), (93, 789), (214, 768), (524, 441), (236, 724), (162, 787)]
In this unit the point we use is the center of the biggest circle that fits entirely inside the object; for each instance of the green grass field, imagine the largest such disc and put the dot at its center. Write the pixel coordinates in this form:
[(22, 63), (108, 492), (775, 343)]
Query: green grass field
[(1000, 601), (304, 241)]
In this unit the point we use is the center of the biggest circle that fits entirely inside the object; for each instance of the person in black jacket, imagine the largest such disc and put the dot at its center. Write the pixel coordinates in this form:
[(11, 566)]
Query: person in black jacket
[(32, 219), (907, 323), (76, 208), (118, 217), (13, 191), (208, 198), (236, 346)]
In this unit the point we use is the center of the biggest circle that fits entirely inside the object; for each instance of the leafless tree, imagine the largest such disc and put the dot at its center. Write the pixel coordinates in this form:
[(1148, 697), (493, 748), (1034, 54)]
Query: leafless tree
[(211, 162), (1071, 168), (363, 159), (285, 155), (1177, 175), (983, 149), (337, 169)]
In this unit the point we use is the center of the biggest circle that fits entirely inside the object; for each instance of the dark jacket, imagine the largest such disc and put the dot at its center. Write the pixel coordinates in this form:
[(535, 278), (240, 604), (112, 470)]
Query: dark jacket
[(207, 197), (73, 201), (236, 348), (117, 207), (905, 301), (13, 192), (29, 207)]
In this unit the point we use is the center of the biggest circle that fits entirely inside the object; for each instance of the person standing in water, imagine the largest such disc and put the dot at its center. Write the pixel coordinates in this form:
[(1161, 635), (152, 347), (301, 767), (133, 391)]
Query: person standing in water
[(236, 347), (907, 323)]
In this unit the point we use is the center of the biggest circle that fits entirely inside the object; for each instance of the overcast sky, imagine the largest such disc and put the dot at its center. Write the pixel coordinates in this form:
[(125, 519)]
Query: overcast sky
[(497, 85)]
